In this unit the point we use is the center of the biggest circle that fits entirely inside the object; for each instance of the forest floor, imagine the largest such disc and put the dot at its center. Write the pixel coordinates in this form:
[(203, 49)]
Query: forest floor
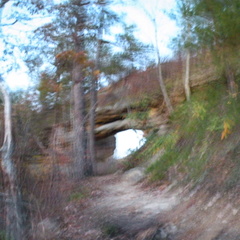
[(116, 208)]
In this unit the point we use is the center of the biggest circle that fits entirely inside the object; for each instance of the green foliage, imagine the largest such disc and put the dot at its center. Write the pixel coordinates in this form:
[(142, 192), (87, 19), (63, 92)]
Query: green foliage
[(210, 117), (111, 230), (167, 143), (213, 25), (215, 124), (216, 22), (136, 115), (142, 106), (144, 103), (3, 235), (130, 163), (78, 195), (152, 146), (133, 51)]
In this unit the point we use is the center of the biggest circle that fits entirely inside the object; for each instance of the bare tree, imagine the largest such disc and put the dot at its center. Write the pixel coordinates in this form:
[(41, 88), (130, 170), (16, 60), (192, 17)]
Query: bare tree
[(160, 77), (187, 40), (15, 229), (93, 107), (152, 15), (14, 217), (187, 76)]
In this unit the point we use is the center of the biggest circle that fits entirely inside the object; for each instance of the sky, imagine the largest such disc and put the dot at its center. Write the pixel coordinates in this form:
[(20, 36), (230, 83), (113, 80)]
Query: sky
[(127, 142), (17, 77), (141, 14)]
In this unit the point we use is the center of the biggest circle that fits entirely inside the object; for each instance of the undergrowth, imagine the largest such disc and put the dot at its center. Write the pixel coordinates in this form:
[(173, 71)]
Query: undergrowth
[(111, 230), (142, 107), (3, 235), (197, 125), (78, 194)]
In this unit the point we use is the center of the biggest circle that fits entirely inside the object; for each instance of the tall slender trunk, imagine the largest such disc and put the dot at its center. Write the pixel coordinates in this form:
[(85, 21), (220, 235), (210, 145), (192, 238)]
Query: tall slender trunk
[(92, 117), (160, 77), (82, 166), (78, 124), (93, 106), (187, 76), (14, 217)]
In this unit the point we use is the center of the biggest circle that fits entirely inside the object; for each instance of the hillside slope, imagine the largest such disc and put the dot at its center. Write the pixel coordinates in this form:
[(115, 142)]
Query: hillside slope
[(190, 191)]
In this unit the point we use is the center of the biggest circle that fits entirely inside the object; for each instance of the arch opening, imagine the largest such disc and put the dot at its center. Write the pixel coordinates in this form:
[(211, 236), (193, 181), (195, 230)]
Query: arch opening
[(127, 142)]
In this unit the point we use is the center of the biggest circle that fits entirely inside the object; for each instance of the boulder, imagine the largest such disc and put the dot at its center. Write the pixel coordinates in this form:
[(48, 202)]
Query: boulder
[(107, 167), (134, 175)]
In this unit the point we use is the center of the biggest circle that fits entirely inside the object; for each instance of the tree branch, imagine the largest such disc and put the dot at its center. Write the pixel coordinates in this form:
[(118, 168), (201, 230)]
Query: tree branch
[(3, 2), (9, 24)]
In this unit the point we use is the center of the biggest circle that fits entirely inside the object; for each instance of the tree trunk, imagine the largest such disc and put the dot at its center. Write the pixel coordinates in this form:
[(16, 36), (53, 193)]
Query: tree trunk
[(82, 165), (160, 77), (230, 76), (14, 217), (164, 90), (92, 116), (187, 76), (93, 106), (79, 120)]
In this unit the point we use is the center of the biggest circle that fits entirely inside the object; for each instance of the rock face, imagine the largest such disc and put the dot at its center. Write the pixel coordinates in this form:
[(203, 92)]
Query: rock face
[(62, 138), (105, 148), (140, 92), (134, 102), (109, 166), (117, 126)]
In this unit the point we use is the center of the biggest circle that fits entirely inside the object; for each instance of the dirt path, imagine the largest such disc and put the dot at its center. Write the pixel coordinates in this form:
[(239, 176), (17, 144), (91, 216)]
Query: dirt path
[(132, 208), (120, 209)]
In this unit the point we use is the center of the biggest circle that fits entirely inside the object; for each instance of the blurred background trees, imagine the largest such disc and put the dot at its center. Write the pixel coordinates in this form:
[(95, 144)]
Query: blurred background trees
[(215, 25)]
